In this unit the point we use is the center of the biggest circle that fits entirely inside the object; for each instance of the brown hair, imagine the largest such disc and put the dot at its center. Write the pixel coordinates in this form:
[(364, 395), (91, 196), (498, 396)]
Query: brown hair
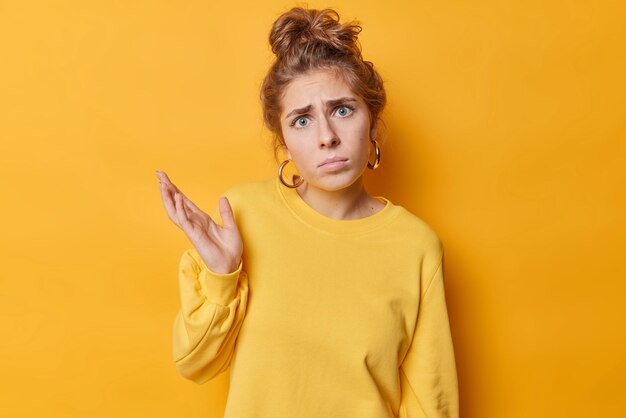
[(308, 39)]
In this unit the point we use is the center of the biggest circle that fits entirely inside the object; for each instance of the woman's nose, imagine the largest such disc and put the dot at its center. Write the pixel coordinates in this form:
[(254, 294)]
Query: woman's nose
[(328, 138), (330, 141)]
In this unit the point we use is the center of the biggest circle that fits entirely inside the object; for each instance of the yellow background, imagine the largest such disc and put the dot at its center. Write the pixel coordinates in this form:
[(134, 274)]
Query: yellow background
[(506, 133)]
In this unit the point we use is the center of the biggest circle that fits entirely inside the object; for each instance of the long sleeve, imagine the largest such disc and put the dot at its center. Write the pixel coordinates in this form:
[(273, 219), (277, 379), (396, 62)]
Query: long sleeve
[(428, 372), (212, 310)]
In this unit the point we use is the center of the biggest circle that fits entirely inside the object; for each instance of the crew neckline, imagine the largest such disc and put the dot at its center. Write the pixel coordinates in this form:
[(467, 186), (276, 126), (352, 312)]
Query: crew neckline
[(315, 219)]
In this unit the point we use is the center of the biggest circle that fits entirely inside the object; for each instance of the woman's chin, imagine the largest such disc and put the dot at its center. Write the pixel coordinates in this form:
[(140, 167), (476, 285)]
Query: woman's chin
[(335, 182)]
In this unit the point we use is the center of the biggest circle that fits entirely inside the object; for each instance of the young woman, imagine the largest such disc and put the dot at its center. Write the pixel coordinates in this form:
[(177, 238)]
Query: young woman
[(322, 300)]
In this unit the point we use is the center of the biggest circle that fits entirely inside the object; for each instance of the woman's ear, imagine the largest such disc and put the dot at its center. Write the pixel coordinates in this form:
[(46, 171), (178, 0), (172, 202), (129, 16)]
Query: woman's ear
[(282, 147), (373, 131)]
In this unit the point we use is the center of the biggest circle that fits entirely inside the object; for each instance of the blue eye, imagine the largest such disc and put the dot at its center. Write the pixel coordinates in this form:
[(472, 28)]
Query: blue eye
[(346, 110), (343, 111), (298, 121)]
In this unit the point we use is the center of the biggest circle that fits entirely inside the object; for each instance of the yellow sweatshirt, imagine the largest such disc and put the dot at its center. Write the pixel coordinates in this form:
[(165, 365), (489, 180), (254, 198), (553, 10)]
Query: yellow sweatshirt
[(324, 317)]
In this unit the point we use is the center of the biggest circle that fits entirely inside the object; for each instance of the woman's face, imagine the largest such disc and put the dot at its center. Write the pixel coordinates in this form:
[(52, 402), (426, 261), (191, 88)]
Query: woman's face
[(323, 119)]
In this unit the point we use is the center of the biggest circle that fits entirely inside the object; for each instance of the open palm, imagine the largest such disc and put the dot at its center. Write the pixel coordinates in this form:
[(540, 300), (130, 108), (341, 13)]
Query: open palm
[(219, 246)]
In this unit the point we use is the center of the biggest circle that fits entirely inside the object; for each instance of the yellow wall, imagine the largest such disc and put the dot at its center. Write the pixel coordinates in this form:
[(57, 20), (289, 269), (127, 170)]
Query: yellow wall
[(506, 133)]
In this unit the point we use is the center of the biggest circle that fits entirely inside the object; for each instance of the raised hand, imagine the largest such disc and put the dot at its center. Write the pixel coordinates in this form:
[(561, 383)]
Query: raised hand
[(219, 246)]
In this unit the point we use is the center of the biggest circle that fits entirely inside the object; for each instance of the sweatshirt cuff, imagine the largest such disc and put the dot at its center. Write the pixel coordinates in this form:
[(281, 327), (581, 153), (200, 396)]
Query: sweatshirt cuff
[(220, 288)]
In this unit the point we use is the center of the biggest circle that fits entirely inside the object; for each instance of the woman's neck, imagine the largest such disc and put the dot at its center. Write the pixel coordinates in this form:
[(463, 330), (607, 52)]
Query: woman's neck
[(353, 202)]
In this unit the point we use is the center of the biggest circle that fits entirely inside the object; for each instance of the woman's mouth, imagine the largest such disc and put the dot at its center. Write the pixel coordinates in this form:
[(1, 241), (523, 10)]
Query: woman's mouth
[(333, 164)]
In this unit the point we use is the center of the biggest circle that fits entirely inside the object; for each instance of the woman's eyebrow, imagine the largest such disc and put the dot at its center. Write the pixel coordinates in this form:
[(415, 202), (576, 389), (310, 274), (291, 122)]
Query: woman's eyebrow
[(329, 103)]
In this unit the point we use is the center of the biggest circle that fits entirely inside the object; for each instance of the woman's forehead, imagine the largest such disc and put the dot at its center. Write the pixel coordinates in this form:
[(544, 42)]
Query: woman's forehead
[(322, 85)]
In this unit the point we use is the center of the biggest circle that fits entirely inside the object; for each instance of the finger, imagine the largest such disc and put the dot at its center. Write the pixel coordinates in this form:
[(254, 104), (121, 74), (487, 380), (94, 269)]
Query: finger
[(187, 204), (165, 189), (163, 176), (227, 213), (169, 204), (166, 180), (181, 213), (191, 207), (172, 190), (169, 189)]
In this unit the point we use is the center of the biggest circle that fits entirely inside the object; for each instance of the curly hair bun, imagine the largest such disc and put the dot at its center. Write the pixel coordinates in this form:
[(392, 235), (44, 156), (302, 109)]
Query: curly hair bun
[(301, 31)]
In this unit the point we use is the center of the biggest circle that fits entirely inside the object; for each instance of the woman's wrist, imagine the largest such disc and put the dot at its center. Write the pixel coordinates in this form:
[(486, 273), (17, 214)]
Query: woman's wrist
[(226, 268)]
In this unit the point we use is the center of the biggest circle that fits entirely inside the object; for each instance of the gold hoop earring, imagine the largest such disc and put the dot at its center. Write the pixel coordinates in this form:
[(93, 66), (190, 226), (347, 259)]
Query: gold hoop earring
[(377, 162), (282, 180)]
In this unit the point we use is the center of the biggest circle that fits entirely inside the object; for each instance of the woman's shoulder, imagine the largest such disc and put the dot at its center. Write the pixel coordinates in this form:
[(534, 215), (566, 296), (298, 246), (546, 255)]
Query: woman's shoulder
[(414, 227), (250, 190), (245, 196)]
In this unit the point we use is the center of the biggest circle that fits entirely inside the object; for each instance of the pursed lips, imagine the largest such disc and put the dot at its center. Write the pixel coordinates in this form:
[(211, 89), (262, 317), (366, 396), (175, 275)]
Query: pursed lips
[(332, 160)]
